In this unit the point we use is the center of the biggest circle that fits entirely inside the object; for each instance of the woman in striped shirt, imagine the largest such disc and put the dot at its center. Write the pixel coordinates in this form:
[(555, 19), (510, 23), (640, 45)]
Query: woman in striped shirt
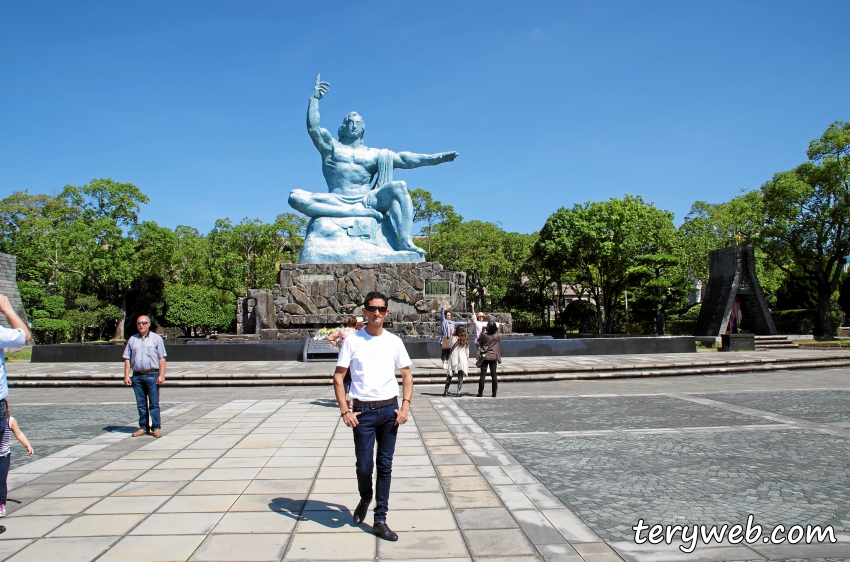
[(6, 454)]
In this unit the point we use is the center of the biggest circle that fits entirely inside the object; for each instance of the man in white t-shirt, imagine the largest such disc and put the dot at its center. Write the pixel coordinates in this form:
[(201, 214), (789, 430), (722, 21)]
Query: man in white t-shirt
[(372, 355)]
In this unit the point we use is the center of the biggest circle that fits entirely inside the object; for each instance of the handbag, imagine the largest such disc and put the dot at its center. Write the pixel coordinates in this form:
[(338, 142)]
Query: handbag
[(446, 342), (480, 361)]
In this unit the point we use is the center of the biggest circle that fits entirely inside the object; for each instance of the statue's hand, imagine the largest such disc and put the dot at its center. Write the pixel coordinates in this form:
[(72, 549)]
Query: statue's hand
[(448, 156), (321, 88)]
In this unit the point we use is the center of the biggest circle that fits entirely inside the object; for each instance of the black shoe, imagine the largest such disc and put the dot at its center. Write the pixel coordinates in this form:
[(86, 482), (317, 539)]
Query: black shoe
[(479, 395), (446, 393), (361, 510), (380, 529)]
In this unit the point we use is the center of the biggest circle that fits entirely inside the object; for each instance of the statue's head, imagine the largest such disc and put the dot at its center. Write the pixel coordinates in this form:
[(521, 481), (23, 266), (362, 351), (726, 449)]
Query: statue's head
[(352, 127)]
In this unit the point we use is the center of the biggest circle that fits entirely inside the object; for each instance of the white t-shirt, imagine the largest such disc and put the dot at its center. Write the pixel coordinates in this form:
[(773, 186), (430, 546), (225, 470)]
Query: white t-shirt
[(372, 361)]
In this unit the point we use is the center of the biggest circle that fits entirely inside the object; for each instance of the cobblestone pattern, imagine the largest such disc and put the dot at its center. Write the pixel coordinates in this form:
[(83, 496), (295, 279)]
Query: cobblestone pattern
[(72, 423), (788, 476), (586, 414), (828, 406)]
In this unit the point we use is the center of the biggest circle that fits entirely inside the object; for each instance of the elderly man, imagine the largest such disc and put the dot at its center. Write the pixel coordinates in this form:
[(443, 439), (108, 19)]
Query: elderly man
[(16, 336), (145, 356)]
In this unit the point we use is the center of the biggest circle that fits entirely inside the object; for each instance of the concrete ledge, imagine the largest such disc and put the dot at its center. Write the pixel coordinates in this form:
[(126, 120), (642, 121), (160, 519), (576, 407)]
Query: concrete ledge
[(417, 348)]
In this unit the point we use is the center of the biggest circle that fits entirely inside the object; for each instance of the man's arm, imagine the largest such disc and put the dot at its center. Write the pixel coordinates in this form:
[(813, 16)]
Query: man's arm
[(14, 320), (406, 160), (321, 137), (127, 381), (349, 418), (406, 394), (161, 378)]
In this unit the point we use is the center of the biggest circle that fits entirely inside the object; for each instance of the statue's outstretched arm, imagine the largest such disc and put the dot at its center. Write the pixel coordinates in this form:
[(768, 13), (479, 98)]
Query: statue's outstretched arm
[(321, 137), (407, 160)]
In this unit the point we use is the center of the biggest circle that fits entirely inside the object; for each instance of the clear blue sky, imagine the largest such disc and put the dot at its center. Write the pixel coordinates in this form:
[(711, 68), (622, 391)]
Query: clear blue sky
[(202, 104)]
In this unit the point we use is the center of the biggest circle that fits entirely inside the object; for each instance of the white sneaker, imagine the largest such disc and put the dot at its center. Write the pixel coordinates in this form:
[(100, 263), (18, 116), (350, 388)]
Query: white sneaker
[(2, 510), (445, 365)]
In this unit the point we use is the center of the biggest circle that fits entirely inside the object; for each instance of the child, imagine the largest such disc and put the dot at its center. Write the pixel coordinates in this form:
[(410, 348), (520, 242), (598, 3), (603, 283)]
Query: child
[(6, 454)]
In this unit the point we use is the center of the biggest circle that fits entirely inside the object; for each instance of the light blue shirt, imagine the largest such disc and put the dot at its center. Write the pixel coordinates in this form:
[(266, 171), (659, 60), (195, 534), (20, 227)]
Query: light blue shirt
[(144, 353), (13, 338)]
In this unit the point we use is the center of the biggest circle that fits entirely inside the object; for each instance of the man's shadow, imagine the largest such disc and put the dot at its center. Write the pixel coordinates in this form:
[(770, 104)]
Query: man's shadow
[(327, 514)]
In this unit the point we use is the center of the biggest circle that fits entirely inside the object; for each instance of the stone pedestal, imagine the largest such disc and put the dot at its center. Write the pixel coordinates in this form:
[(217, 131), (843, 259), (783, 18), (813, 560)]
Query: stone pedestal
[(310, 296)]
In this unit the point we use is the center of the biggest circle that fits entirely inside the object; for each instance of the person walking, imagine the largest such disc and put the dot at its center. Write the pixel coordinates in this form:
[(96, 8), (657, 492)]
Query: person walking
[(372, 355), (353, 324), (458, 360), (145, 356), (448, 330), (488, 355), (15, 337), (11, 427)]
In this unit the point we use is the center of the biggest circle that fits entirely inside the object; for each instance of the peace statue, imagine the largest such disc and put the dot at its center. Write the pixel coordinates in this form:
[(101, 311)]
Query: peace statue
[(358, 221)]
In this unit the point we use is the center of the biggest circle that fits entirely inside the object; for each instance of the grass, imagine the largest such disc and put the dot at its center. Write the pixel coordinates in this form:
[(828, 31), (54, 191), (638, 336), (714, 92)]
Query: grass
[(23, 355)]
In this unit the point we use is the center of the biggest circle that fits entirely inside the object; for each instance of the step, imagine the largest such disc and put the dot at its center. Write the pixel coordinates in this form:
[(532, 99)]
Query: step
[(436, 377)]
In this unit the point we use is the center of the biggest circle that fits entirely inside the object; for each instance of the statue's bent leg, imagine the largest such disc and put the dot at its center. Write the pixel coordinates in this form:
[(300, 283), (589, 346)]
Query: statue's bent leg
[(394, 198), (327, 205)]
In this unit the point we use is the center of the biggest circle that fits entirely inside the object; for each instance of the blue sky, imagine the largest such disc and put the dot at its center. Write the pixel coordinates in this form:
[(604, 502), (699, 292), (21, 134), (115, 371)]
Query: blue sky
[(202, 104)]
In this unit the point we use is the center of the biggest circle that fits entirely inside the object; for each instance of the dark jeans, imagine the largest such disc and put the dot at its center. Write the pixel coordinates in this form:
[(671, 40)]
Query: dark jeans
[(147, 400), (484, 366), (375, 425), (4, 410), (5, 462), (446, 353)]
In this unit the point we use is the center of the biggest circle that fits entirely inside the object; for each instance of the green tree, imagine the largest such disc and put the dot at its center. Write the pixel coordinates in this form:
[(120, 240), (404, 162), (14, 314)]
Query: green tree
[(477, 248), (429, 213), (198, 309), (248, 255), (595, 246), (807, 218)]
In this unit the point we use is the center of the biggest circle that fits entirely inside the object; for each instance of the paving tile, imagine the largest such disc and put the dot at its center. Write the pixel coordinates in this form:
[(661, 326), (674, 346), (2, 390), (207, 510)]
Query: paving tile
[(424, 544), (416, 484), (173, 475), (199, 454), (149, 489), (184, 463), (538, 529), (570, 526), (208, 487), (279, 487), (178, 524), (242, 548), (71, 549), (228, 474), (55, 506), (290, 473), (112, 476), (493, 542), (331, 546), (265, 502), (479, 498), (8, 547), (300, 452), (255, 522), (335, 485), (324, 520), (414, 500), (128, 504), (242, 453), (197, 504), (464, 483), (440, 460), (32, 527), (285, 461), (85, 490), (140, 464), (423, 471), (457, 470), (98, 525), (241, 462), (421, 520), (174, 548), (485, 518)]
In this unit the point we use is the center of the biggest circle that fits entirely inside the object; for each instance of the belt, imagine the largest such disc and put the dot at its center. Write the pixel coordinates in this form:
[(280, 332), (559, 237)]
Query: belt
[(374, 405), (146, 372)]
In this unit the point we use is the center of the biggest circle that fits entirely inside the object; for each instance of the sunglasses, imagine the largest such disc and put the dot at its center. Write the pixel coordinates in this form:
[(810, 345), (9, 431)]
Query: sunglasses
[(370, 308)]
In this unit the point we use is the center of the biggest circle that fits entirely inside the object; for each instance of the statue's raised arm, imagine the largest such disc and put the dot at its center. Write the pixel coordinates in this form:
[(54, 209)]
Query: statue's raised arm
[(407, 160), (321, 137)]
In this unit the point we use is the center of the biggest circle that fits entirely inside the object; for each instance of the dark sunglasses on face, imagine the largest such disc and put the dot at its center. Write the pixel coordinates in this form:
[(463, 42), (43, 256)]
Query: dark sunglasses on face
[(370, 308)]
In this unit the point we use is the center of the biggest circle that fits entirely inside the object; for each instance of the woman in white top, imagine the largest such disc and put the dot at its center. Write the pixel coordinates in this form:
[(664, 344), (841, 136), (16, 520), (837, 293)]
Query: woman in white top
[(458, 362)]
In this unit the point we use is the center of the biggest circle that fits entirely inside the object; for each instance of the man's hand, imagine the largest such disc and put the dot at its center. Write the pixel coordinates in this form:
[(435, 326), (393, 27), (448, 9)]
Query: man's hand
[(401, 416), (350, 418), (127, 381), (5, 305), (321, 88), (160, 379)]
